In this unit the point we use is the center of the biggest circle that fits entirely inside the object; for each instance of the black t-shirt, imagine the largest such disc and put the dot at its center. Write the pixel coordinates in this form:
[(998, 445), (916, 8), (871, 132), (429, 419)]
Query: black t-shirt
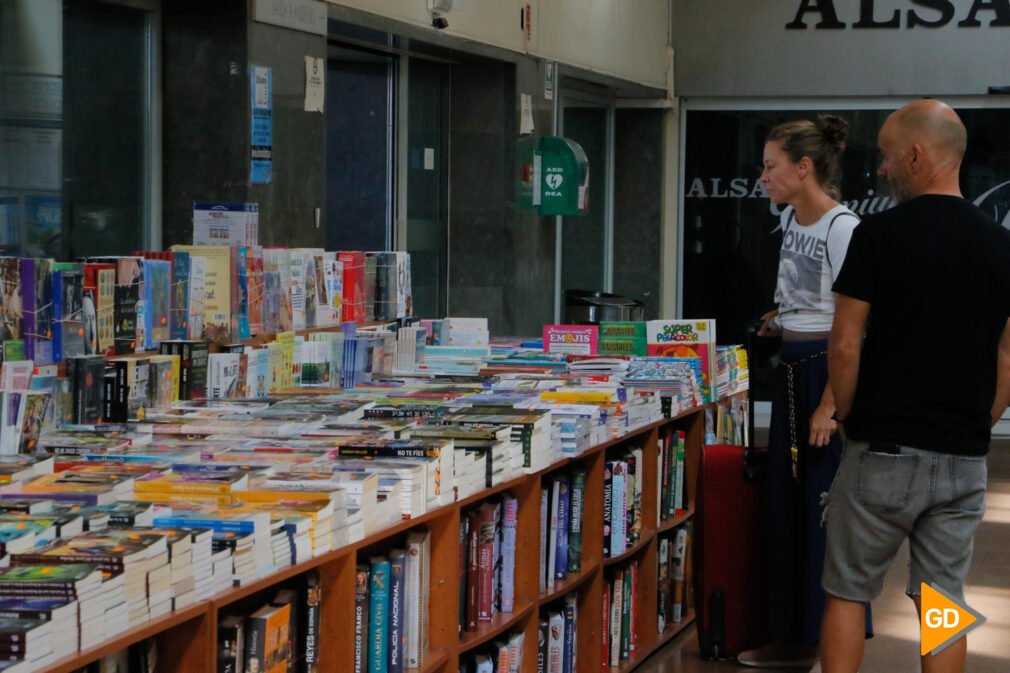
[(936, 273)]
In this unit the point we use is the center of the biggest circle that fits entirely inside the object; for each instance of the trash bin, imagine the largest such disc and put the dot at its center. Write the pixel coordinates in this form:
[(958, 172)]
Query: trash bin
[(589, 307)]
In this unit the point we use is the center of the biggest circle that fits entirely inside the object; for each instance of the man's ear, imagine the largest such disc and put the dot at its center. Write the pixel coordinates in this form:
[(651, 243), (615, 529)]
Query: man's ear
[(916, 154)]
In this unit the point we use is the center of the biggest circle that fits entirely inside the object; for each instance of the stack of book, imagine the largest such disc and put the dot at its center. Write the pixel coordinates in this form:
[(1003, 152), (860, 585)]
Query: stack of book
[(732, 371), (391, 608), (504, 655), (556, 640), (57, 590), (672, 576), (620, 614), (561, 506), (488, 554), (622, 502)]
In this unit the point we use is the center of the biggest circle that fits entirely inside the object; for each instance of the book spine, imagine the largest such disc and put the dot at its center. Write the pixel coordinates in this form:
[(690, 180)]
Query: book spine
[(577, 492), (228, 644), (626, 614), (608, 506), (561, 554), (361, 620), (397, 605), (255, 641), (473, 572), (378, 631), (542, 630), (633, 636), (665, 496), (413, 609), (486, 561), (552, 535), (618, 539), (545, 497), (679, 498), (568, 655), (555, 642), (463, 537), (605, 626), (308, 656), (677, 575), (510, 520)]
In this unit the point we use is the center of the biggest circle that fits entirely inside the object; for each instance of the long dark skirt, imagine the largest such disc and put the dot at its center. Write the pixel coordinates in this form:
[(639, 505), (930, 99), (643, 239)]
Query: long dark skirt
[(796, 537)]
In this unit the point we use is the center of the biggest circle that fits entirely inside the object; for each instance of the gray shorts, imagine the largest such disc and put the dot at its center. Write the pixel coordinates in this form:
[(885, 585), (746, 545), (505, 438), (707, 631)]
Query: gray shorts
[(936, 500)]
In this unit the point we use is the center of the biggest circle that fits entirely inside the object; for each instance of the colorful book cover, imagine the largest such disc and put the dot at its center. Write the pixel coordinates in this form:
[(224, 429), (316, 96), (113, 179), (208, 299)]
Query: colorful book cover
[(561, 553), (296, 291), (254, 276), (221, 297), (271, 302), (68, 306), (33, 419), (241, 261), (354, 285), (179, 321), (378, 589), (571, 339), (37, 298), (157, 302), (418, 583), (267, 641), (623, 330), (127, 294), (510, 515), (555, 641), (11, 308), (577, 492), (687, 339)]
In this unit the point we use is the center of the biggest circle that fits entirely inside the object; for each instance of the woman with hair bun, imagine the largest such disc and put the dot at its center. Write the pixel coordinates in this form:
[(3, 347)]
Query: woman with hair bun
[(800, 171)]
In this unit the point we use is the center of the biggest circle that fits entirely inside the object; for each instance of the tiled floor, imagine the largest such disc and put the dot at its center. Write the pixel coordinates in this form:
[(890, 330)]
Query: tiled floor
[(895, 648)]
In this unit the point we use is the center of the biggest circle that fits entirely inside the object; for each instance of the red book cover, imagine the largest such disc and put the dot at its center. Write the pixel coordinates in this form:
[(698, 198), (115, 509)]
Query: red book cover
[(472, 571), (254, 276), (633, 638), (605, 630), (486, 561), (353, 308), (99, 289)]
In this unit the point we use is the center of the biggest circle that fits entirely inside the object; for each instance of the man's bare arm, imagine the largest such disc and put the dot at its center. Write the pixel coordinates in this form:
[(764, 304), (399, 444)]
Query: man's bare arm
[(844, 350)]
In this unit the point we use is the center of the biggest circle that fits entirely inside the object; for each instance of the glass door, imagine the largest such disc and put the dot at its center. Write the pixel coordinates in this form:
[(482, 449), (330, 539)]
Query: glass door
[(585, 243)]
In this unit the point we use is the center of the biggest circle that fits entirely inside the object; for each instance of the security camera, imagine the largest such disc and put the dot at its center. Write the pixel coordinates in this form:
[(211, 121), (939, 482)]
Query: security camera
[(439, 22)]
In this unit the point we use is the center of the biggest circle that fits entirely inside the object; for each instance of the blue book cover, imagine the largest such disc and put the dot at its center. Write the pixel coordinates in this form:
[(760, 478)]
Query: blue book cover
[(378, 627), (568, 651), (157, 298), (510, 513), (243, 291), (68, 299), (397, 609), (218, 525), (37, 297), (180, 296), (561, 550)]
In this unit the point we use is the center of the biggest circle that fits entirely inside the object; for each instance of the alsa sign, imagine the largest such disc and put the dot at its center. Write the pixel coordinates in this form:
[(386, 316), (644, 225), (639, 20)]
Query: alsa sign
[(823, 15)]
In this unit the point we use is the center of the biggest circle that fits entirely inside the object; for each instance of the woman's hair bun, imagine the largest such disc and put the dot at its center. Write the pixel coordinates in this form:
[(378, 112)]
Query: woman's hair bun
[(835, 130)]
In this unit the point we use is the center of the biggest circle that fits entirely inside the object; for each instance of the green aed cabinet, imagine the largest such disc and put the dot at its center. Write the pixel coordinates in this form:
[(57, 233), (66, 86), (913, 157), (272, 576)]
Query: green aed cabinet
[(553, 176)]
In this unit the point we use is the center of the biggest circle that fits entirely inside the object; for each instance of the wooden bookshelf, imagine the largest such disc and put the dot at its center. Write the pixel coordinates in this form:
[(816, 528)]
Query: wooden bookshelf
[(187, 640)]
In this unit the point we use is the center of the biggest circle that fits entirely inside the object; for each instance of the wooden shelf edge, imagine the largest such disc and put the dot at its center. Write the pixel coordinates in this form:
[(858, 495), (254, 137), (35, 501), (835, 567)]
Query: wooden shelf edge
[(675, 629), (569, 584), (433, 660), (127, 638), (638, 546), (488, 630), (678, 520)]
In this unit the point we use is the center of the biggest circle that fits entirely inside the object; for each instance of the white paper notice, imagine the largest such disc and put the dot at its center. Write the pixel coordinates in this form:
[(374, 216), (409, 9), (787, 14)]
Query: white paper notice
[(315, 84), (429, 158), (526, 118)]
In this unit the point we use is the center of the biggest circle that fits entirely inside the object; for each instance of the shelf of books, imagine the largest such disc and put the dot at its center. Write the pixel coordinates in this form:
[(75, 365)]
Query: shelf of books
[(402, 496)]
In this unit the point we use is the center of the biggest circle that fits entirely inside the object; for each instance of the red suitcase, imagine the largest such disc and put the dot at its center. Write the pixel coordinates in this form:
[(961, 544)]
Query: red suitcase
[(729, 562)]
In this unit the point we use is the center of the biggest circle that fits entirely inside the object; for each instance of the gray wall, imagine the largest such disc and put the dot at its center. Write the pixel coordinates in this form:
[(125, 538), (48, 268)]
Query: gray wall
[(743, 48), (207, 50)]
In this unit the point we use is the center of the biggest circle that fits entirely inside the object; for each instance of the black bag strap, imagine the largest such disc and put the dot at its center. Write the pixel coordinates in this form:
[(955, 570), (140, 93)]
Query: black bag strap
[(827, 236)]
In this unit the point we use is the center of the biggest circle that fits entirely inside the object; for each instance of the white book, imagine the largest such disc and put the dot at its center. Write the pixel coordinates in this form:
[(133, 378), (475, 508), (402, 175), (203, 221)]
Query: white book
[(417, 572), (296, 290), (516, 641), (552, 538), (223, 375), (544, 535), (197, 275), (483, 664), (555, 641), (639, 479)]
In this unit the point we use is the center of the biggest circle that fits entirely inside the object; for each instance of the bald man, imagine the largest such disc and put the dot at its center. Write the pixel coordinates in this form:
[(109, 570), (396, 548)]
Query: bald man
[(928, 284)]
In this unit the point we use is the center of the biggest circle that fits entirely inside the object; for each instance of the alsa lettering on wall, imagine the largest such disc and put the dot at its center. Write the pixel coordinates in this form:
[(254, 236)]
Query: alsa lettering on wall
[(824, 15), (744, 188)]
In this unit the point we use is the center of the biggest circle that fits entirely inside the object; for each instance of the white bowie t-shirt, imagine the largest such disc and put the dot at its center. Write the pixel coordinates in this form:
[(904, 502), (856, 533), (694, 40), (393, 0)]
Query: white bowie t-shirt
[(810, 261)]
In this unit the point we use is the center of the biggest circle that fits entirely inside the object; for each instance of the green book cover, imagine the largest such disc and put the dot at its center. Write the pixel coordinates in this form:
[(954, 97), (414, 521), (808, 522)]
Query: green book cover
[(64, 574), (626, 616), (623, 329), (622, 346)]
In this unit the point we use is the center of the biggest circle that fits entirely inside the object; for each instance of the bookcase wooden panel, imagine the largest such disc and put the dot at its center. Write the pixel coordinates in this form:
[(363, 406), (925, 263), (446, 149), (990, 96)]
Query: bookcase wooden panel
[(187, 640)]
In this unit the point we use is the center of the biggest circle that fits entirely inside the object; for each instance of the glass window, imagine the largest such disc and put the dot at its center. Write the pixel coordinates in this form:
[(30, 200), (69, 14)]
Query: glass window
[(71, 182), (731, 237)]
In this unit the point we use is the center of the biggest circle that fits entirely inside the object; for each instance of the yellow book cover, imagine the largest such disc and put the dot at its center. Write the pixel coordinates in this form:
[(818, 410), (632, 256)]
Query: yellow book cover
[(220, 309)]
